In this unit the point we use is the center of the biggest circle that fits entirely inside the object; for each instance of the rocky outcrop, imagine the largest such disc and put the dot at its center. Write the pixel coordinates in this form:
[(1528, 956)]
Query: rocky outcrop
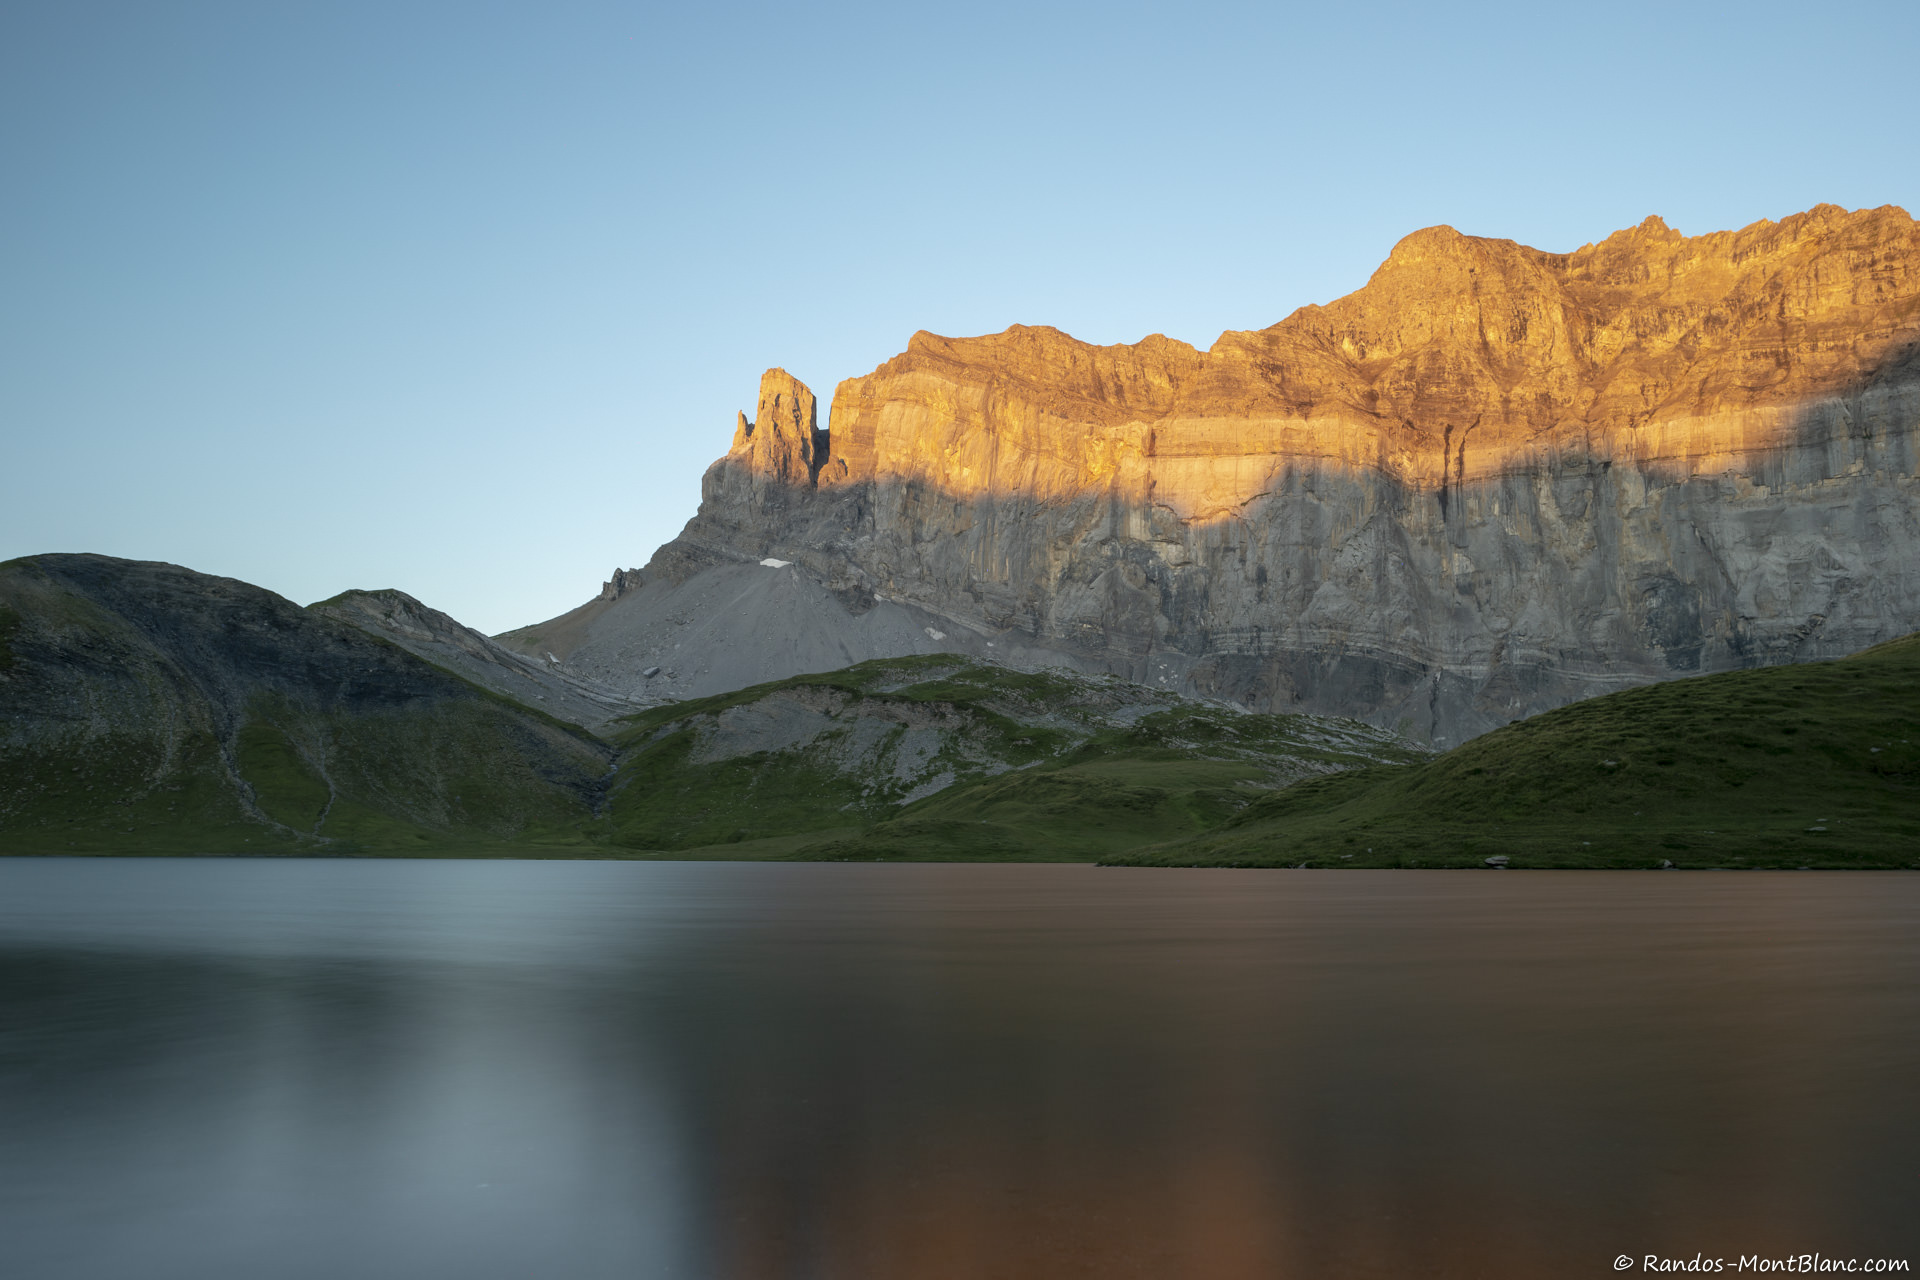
[(622, 581), (1491, 481)]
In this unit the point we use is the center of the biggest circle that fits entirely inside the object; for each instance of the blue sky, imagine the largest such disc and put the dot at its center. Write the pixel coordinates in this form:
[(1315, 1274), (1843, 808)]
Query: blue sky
[(462, 298)]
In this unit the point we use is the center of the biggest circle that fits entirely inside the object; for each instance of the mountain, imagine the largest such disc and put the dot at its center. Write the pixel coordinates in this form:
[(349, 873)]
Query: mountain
[(1493, 481), (145, 708), (148, 709), (1813, 765)]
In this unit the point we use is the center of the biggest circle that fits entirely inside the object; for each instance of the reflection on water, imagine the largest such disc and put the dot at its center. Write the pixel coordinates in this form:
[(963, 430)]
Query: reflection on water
[(218, 1069)]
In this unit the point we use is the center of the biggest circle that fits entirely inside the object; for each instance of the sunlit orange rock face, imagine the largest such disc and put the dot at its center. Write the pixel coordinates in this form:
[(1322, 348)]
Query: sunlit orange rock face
[(1492, 480), (1461, 360)]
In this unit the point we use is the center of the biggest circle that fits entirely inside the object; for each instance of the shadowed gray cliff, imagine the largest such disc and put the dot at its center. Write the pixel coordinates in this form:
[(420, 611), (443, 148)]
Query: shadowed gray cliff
[(1493, 481)]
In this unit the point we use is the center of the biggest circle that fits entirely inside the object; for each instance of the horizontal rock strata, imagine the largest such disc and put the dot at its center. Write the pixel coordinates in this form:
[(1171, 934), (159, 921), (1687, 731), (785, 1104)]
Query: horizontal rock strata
[(1491, 481)]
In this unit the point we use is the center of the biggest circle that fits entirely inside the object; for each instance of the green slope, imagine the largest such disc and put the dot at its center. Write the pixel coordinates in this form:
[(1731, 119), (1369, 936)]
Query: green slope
[(831, 751), (941, 758), (148, 709), (1815, 765)]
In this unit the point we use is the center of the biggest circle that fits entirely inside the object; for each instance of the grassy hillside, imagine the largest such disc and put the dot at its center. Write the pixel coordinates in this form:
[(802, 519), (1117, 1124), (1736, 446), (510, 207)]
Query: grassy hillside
[(152, 710), (942, 758), (1815, 765), (148, 709)]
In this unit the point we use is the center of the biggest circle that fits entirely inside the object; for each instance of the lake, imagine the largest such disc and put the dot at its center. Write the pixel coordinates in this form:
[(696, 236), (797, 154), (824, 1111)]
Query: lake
[(350, 1069)]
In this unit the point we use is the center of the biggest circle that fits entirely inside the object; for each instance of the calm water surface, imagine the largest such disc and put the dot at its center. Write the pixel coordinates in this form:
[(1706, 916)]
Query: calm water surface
[(338, 1069)]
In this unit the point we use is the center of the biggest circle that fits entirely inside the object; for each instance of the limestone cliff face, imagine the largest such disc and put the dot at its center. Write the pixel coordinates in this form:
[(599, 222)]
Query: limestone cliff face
[(1492, 480)]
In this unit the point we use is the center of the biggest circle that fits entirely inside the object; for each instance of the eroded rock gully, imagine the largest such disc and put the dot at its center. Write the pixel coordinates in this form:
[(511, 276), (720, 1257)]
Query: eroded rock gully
[(1491, 481)]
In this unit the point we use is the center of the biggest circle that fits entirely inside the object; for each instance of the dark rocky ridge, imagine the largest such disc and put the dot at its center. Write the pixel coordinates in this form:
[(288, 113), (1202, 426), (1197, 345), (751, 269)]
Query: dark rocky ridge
[(444, 641)]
